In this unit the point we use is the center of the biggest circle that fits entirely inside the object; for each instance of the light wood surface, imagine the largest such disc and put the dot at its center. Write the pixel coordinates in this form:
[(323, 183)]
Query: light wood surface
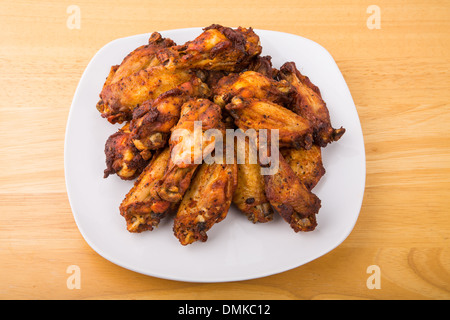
[(399, 78)]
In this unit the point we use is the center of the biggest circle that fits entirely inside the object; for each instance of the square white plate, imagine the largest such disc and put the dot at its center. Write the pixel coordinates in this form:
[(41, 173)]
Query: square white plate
[(236, 248)]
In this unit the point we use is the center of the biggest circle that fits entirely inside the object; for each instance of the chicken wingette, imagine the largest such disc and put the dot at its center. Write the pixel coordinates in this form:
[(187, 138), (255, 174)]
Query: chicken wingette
[(250, 196), (252, 84), (206, 202), (291, 199), (142, 207), (119, 99), (154, 119), (263, 65), (188, 146), (310, 105), (142, 58), (306, 164), (294, 130)]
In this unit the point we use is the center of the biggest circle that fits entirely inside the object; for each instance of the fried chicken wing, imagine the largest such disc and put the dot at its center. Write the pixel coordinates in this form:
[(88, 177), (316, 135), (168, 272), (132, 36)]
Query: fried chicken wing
[(206, 202), (251, 84), (217, 48), (188, 146), (291, 199), (181, 105), (142, 58), (119, 99), (142, 207), (294, 130), (250, 196), (153, 120), (122, 157), (310, 105), (306, 164)]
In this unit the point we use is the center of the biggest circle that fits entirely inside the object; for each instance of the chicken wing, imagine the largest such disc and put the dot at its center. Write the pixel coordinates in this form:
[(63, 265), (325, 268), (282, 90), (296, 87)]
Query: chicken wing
[(206, 202), (188, 145), (252, 84), (310, 105), (122, 157), (249, 196), (153, 120), (119, 99), (306, 164), (142, 208), (291, 199), (294, 130), (216, 48), (142, 58)]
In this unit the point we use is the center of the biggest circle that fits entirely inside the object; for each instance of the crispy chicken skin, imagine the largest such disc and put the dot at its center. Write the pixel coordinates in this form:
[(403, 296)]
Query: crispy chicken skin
[(153, 120), (184, 158), (139, 59), (294, 130), (217, 48), (122, 157), (252, 84), (263, 65), (306, 164), (206, 202), (142, 208), (122, 97), (250, 196), (310, 105), (291, 199)]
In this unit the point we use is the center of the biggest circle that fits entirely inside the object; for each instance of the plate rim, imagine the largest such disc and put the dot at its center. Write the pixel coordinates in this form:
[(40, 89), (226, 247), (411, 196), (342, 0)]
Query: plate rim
[(223, 278)]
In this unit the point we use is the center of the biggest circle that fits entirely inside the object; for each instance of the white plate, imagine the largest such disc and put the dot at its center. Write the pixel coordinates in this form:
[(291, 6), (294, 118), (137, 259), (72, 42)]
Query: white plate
[(236, 248)]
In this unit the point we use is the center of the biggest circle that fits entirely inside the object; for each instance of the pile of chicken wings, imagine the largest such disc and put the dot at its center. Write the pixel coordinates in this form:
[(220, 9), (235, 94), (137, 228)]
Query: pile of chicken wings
[(221, 79)]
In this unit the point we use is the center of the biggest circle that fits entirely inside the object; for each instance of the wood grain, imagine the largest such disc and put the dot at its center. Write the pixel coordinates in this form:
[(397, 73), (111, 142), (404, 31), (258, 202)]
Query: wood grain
[(398, 76)]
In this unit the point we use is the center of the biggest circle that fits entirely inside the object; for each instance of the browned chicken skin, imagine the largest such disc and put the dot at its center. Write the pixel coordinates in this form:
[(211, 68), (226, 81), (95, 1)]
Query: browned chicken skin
[(250, 195), (140, 58), (185, 157), (217, 48), (154, 119), (310, 105), (122, 157), (122, 97), (306, 164), (252, 84), (206, 202), (294, 130), (142, 207), (264, 66), (291, 199), (112, 106)]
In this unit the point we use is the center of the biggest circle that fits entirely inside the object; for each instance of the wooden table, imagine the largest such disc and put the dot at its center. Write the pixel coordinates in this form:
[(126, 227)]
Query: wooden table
[(397, 72)]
